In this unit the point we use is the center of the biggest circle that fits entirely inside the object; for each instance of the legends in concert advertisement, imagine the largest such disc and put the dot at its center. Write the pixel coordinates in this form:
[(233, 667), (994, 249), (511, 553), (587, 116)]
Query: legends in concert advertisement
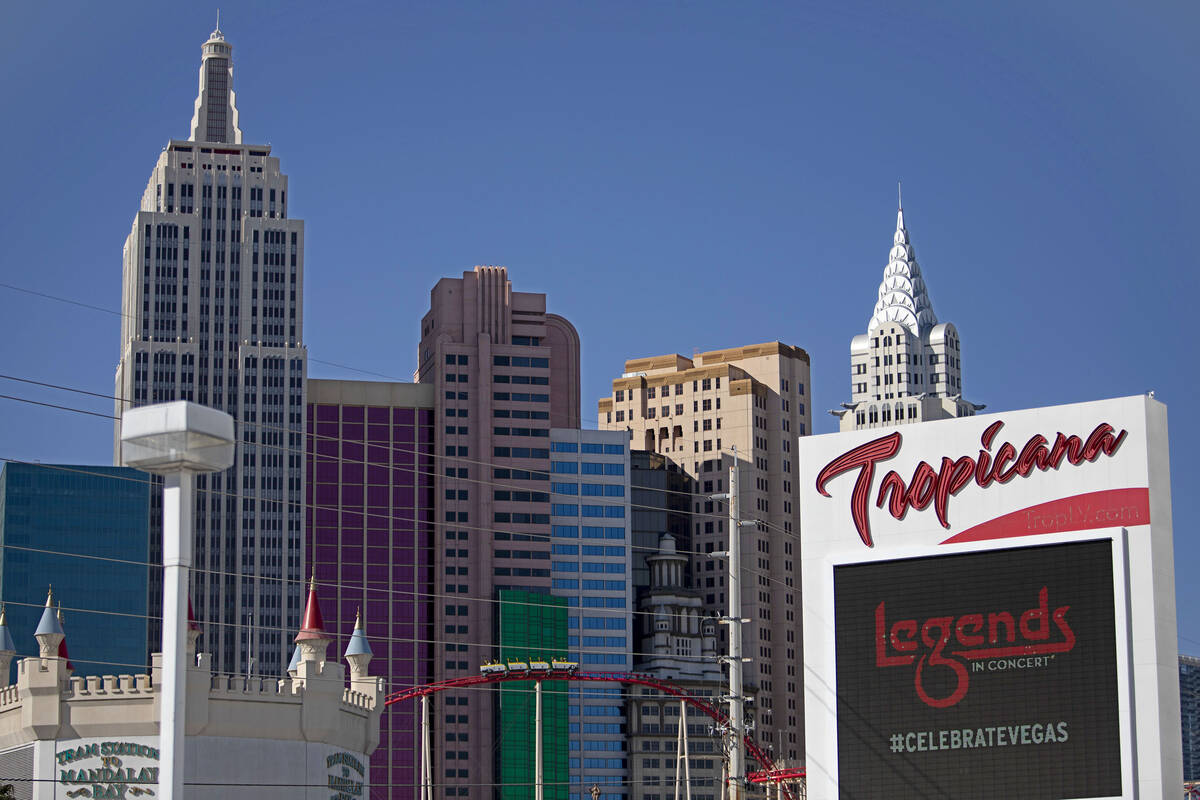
[(979, 675)]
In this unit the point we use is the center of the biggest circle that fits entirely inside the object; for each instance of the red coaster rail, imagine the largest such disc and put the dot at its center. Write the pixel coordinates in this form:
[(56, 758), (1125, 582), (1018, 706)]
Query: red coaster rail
[(768, 773)]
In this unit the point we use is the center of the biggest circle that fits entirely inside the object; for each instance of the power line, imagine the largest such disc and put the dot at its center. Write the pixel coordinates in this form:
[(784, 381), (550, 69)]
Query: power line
[(390, 639), (458, 598), (716, 515)]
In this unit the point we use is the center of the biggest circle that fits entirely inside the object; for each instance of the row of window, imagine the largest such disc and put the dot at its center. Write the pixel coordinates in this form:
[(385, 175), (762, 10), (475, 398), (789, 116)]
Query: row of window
[(588, 549), (588, 566), (589, 489), (589, 585), (521, 517), (586, 468), (535, 432), (573, 510), (535, 380), (521, 397), (513, 413), (520, 361), (520, 452), (520, 497), (588, 447), (705, 384), (589, 532)]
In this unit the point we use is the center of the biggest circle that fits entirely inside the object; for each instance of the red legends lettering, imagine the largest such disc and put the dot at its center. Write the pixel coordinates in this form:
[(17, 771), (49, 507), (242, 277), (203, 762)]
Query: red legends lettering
[(936, 486), (950, 643)]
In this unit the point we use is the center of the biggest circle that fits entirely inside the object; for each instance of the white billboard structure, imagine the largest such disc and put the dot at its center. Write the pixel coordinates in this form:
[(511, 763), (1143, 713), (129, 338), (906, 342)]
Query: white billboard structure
[(989, 607)]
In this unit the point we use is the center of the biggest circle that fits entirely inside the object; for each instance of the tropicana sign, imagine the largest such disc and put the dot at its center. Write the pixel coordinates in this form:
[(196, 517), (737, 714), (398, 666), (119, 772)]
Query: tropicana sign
[(936, 486)]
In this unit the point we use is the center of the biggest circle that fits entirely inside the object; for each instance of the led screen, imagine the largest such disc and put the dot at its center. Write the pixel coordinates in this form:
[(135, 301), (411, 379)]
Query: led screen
[(980, 675)]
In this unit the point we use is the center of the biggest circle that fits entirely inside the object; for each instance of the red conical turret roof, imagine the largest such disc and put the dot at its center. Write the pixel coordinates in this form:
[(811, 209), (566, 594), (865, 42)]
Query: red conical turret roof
[(313, 626), (192, 624), (62, 645)]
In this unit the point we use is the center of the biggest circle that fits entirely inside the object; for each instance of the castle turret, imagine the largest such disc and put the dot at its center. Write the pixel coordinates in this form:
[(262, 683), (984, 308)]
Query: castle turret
[(49, 633), (358, 653), (62, 645), (294, 664), (8, 648), (312, 640)]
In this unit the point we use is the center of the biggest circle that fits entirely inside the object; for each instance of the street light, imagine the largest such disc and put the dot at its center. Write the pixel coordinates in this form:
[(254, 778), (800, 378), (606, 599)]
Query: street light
[(178, 441)]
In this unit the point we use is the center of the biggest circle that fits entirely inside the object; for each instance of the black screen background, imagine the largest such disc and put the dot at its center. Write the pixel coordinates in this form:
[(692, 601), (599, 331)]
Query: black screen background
[(1078, 687)]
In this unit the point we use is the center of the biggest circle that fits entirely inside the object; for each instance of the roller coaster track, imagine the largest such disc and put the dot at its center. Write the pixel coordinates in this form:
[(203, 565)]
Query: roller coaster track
[(768, 773)]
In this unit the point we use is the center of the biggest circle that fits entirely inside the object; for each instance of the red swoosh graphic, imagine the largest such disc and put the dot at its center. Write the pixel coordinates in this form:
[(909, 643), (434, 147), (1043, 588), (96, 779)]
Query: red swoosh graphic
[(1106, 509)]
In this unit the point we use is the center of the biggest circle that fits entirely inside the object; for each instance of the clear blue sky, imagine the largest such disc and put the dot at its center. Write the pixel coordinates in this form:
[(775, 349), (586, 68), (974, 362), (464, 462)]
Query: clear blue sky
[(649, 166)]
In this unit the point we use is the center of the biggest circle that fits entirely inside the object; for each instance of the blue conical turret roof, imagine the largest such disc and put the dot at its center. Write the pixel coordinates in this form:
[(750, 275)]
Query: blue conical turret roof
[(6, 640), (49, 622), (359, 646)]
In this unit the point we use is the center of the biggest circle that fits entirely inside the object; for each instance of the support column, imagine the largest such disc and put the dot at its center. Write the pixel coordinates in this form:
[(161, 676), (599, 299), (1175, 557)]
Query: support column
[(539, 785), (426, 767), (682, 755), (178, 511)]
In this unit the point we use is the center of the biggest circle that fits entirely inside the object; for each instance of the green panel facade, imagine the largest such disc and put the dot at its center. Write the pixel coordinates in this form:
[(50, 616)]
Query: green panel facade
[(532, 626)]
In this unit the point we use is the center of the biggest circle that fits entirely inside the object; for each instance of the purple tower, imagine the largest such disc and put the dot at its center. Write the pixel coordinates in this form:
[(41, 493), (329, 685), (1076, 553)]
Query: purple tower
[(370, 514)]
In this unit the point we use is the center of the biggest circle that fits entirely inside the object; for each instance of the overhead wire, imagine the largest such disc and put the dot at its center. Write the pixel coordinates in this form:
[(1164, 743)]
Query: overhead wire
[(417, 454), (457, 598), (713, 515)]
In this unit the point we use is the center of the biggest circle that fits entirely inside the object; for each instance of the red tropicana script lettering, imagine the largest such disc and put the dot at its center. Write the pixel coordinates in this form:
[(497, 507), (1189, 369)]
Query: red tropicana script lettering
[(864, 457), (949, 643), (930, 486)]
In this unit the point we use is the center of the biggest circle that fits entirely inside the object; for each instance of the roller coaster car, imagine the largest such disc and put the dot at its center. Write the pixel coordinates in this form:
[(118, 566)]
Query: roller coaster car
[(492, 668), (538, 665), (562, 665), (518, 666)]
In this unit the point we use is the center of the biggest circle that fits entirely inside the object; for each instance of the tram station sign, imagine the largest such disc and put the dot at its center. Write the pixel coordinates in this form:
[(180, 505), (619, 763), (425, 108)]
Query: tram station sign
[(989, 607)]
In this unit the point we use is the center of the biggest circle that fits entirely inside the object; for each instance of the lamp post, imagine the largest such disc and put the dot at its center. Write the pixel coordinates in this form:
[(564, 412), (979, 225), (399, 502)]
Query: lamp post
[(178, 441)]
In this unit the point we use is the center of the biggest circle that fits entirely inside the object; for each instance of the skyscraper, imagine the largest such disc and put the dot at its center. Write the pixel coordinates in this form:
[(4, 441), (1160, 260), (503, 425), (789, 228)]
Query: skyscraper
[(1189, 704), (370, 525), (213, 312), (591, 561), (907, 367), (695, 411), (504, 372), (56, 521)]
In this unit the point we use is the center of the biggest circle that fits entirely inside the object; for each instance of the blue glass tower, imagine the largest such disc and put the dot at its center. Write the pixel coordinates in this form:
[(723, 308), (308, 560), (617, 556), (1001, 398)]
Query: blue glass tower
[(590, 560), (98, 519)]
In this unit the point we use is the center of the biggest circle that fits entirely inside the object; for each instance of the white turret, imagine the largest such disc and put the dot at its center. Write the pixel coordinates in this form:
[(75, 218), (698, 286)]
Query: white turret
[(49, 633), (358, 651), (312, 640)]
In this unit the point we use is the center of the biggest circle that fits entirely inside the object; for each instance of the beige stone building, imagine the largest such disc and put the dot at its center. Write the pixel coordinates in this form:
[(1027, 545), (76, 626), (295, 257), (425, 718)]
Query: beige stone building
[(696, 411)]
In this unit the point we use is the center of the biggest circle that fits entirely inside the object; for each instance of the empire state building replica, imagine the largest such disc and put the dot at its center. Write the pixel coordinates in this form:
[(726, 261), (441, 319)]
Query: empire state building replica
[(212, 300)]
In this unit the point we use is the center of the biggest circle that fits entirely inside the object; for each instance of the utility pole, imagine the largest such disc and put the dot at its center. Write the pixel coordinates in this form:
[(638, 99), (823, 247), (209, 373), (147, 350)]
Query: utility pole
[(426, 753), (683, 770), (736, 782)]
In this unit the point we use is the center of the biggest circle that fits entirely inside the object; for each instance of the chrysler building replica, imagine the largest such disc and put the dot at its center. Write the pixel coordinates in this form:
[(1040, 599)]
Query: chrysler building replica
[(212, 303), (907, 367)]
